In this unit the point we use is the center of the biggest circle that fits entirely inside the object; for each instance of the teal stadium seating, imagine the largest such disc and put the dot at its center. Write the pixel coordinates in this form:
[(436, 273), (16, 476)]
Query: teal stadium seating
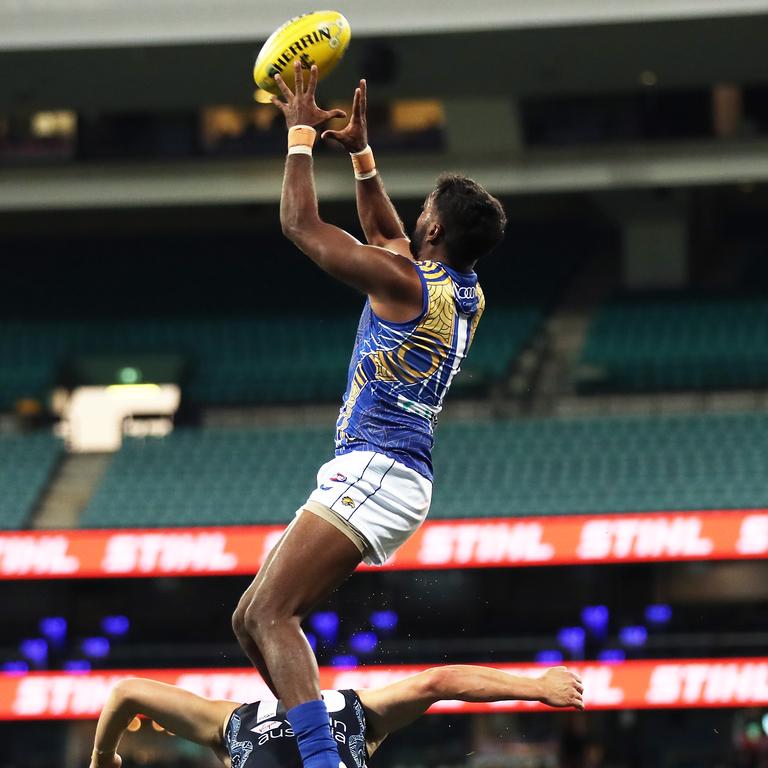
[(227, 357), (26, 463), (666, 345), (514, 468), (236, 360), (201, 477), (502, 335)]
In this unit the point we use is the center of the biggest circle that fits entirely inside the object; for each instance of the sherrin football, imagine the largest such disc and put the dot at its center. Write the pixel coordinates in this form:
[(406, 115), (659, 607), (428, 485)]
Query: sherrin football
[(319, 38)]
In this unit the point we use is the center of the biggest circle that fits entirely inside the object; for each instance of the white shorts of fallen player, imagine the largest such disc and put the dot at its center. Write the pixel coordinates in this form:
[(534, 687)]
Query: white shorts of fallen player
[(379, 498)]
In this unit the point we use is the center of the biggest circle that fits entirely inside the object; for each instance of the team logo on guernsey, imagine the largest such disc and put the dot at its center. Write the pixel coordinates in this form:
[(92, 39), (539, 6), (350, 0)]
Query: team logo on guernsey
[(357, 741), (239, 751), (348, 501), (339, 478)]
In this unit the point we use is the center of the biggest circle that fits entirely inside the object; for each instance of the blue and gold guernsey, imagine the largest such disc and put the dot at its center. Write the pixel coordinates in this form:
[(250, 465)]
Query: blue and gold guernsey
[(400, 372)]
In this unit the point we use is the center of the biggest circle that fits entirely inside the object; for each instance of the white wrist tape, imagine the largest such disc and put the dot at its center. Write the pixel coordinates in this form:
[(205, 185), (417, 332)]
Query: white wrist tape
[(363, 163), (300, 149)]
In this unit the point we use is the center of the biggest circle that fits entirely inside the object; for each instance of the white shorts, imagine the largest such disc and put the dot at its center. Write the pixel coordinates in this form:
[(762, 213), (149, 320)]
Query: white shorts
[(380, 498)]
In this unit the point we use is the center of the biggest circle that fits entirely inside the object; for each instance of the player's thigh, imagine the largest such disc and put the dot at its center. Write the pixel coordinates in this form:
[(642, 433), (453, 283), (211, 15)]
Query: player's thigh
[(247, 596), (311, 559)]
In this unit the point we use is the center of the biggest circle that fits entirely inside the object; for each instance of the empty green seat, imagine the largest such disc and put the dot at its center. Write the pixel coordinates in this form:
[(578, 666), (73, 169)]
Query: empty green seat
[(274, 359), (26, 462), (501, 469), (676, 344)]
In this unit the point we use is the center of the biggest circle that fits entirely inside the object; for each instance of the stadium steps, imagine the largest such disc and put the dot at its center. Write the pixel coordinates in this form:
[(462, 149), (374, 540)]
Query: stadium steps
[(69, 490), (565, 332), (26, 464), (564, 335)]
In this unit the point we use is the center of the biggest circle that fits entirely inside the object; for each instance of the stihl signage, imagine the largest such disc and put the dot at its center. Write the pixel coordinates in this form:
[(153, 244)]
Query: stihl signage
[(491, 542), (679, 684)]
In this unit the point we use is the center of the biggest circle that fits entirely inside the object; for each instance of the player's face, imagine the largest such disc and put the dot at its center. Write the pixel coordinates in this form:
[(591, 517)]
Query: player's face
[(423, 223)]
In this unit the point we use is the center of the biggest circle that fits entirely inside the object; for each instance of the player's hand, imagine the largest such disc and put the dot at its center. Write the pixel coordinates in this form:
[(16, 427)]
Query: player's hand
[(300, 108), (562, 688), (354, 137)]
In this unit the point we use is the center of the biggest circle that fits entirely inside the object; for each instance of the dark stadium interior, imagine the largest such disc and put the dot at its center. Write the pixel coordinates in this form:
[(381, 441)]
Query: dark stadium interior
[(679, 610)]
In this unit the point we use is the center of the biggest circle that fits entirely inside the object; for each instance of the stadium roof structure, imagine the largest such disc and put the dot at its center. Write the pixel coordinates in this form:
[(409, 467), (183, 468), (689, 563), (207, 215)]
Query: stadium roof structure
[(63, 23)]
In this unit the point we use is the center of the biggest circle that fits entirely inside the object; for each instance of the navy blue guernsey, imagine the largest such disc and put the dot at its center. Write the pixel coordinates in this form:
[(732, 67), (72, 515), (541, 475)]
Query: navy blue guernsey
[(400, 372), (258, 735)]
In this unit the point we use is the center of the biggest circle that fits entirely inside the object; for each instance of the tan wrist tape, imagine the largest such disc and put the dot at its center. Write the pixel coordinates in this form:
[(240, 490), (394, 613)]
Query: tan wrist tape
[(301, 136), (363, 163)]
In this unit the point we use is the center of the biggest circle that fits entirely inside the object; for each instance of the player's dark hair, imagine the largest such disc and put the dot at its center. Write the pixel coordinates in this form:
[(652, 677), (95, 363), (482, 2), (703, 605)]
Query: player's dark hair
[(473, 220)]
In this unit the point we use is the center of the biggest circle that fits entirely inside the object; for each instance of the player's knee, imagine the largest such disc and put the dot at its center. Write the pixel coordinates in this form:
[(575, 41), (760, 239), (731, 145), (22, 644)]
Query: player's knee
[(257, 616), (238, 621), (264, 613)]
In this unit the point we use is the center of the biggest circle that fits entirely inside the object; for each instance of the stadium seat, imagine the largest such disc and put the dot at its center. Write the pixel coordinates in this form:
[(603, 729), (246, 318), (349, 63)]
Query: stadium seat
[(504, 335), (26, 463), (664, 345), (237, 360), (197, 477), (508, 469), (606, 465)]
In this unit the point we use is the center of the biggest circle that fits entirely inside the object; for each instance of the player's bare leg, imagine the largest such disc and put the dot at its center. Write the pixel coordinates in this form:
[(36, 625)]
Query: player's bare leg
[(252, 651), (309, 561), (306, 565), (247, 643)]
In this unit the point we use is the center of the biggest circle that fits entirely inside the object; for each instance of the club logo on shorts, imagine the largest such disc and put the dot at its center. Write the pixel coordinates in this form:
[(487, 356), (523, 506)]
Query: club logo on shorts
[(324, 487), (339, 478), (348, 501)]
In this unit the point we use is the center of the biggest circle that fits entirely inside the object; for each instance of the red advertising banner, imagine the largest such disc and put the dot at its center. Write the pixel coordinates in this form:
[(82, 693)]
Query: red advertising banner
[(485, 543), (679, 684)]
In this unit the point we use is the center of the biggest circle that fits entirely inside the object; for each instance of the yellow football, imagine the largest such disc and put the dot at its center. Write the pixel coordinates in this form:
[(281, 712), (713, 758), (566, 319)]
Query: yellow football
[(319, 38)]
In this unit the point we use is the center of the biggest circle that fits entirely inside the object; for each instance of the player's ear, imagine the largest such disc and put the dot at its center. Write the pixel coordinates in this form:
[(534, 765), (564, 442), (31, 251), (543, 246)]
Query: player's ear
[(435, 233)]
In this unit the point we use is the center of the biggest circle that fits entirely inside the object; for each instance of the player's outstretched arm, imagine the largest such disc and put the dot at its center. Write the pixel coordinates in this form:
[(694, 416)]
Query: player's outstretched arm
[(388, 278), (399, 704), (187, 715), (379, 219)]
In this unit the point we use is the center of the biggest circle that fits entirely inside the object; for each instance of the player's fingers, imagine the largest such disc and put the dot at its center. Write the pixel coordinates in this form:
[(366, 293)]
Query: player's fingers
[(312, 80), (356, 105), (298, 77), (330, 135), (279, 104), (334, 114), (363, 97), (284, 89)]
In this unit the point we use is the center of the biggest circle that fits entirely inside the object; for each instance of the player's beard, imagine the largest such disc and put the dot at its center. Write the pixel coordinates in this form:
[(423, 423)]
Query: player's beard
[(417, 239)]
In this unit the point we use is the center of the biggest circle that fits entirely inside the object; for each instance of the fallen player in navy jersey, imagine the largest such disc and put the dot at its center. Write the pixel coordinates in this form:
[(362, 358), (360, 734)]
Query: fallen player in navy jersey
[(258, 735)]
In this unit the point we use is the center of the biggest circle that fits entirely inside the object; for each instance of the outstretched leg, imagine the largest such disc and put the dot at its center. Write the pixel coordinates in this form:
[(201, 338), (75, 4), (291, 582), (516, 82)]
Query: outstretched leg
[(247, 643), (311, 559)]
